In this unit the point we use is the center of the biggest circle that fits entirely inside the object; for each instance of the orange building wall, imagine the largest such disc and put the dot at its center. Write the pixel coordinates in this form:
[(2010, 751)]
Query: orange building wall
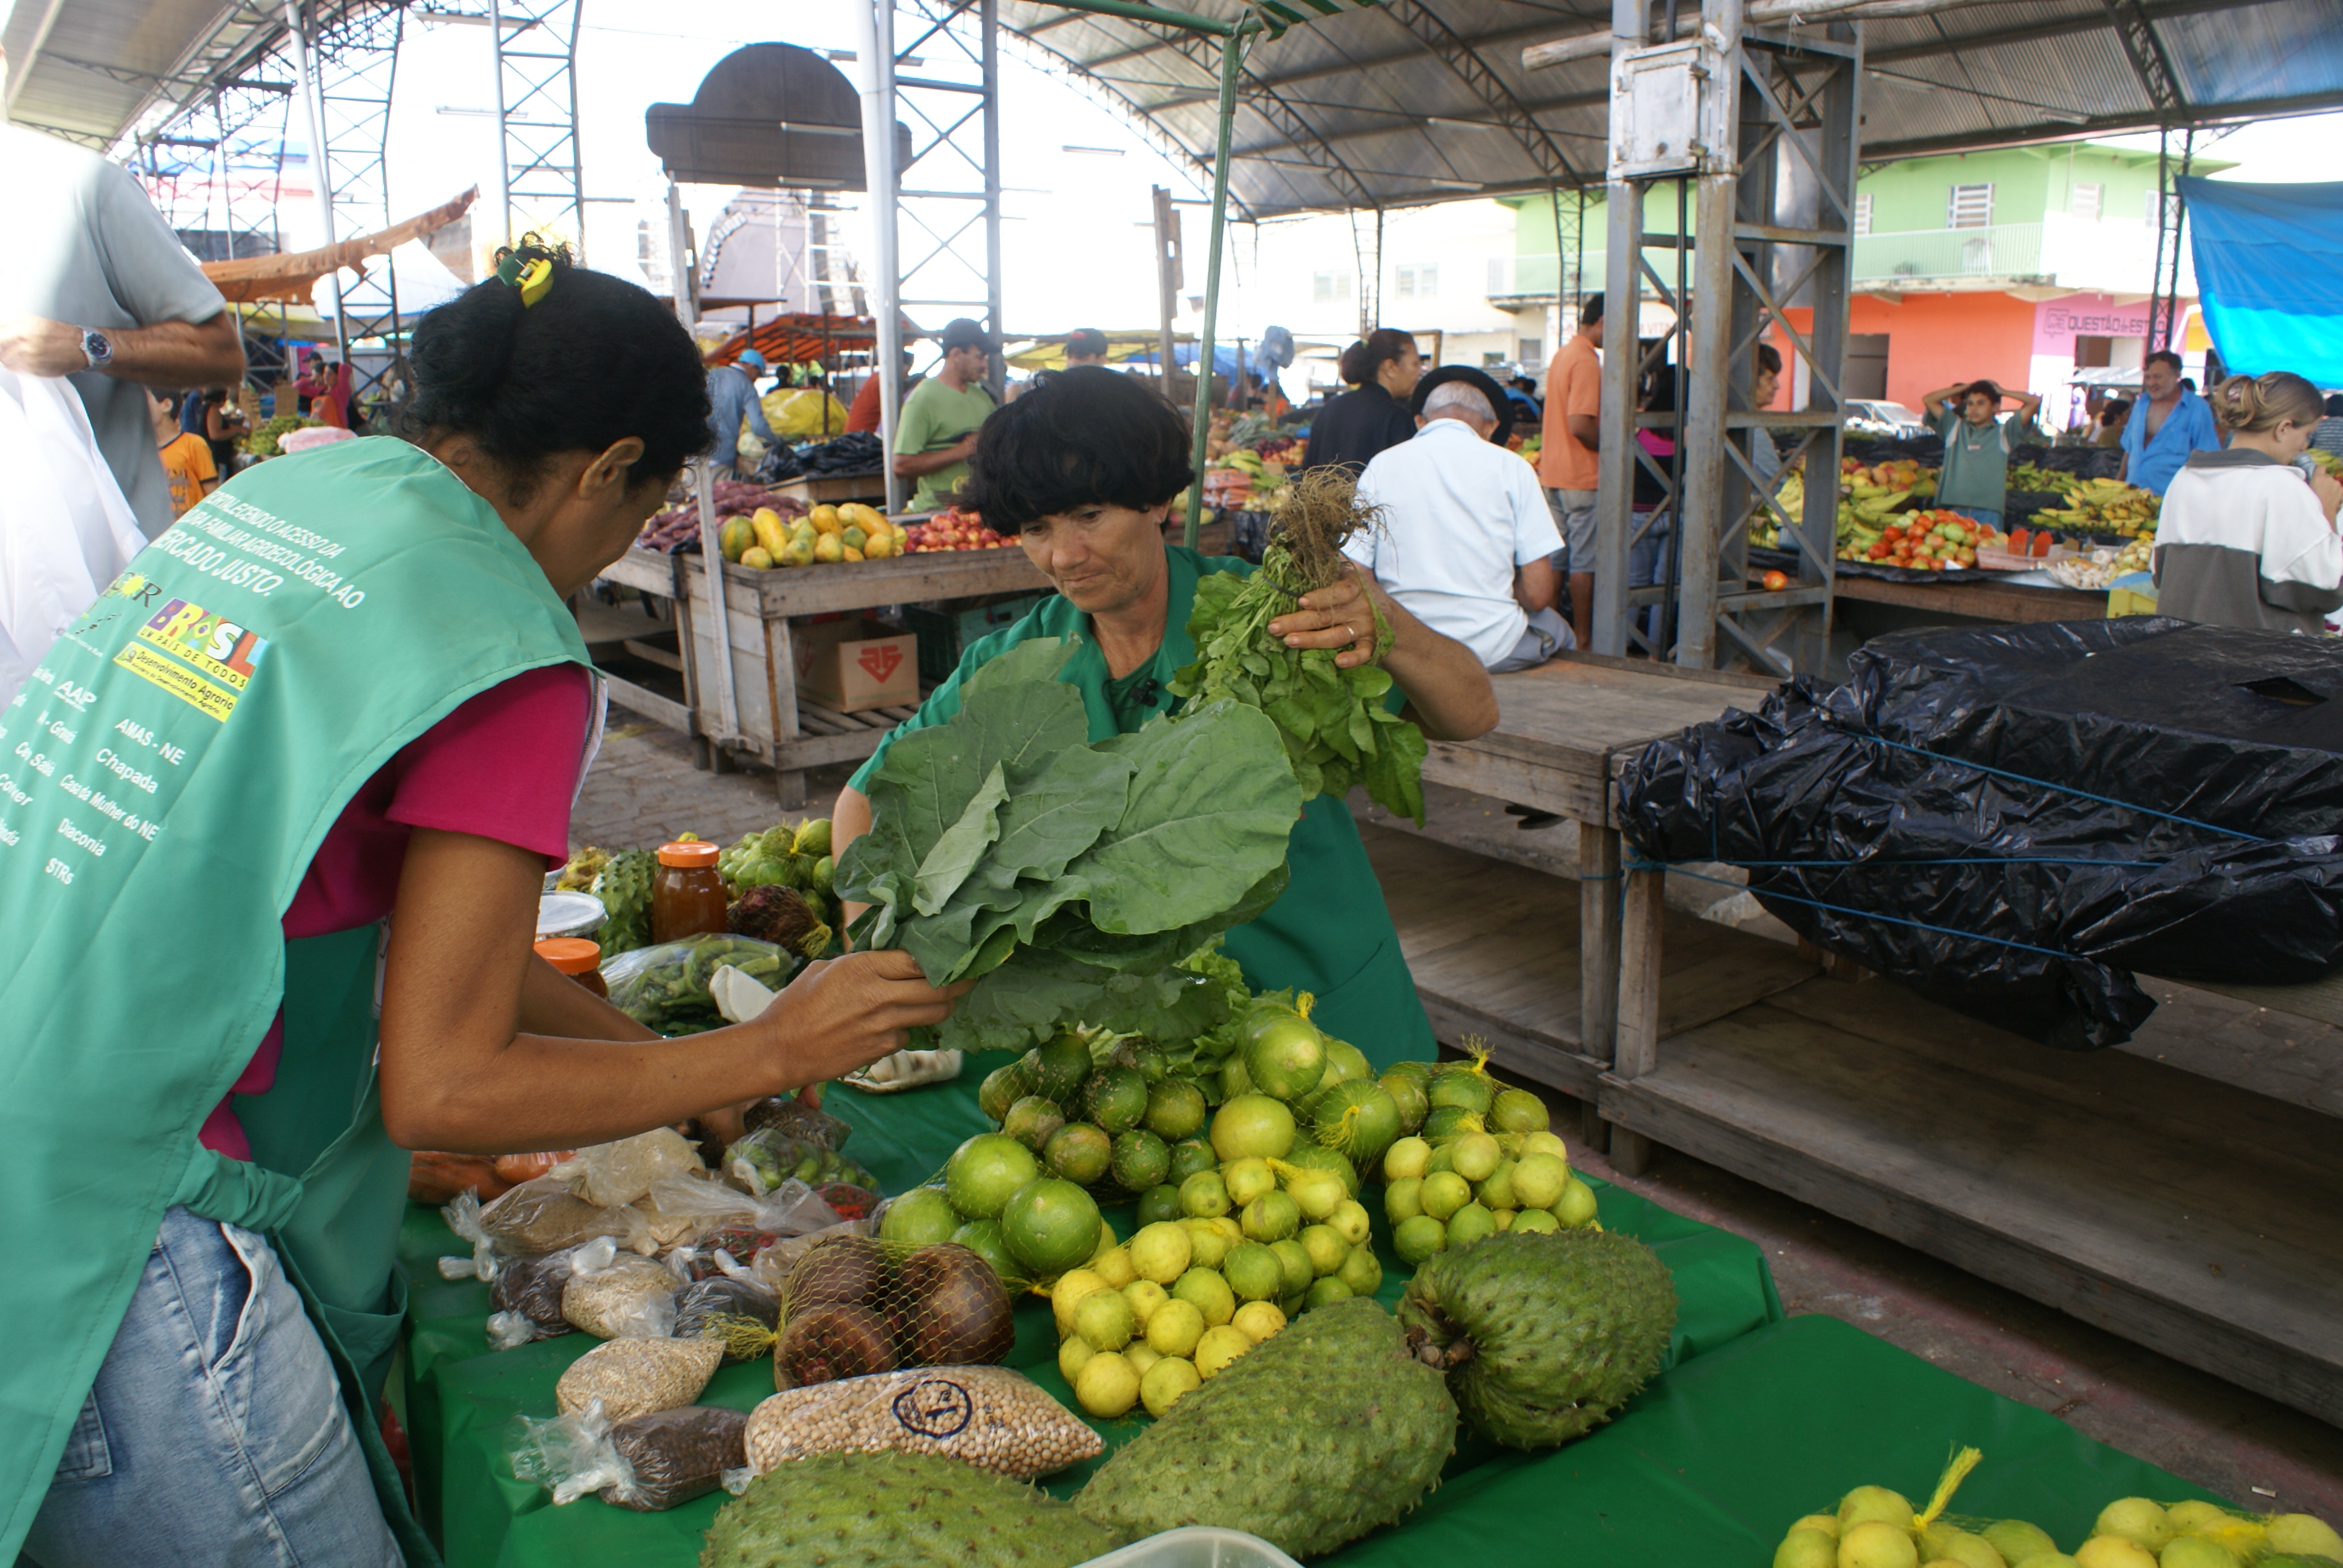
[(1938, 340)]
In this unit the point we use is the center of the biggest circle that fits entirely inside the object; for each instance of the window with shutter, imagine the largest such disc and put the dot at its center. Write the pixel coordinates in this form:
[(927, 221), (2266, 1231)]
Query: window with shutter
[(1970, 206), (1325, 287), (2084, 200), (1862, 212)]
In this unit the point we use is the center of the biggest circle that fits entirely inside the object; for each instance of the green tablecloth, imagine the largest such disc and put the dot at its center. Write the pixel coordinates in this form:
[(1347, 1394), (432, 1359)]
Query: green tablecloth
[(1758, 1421)]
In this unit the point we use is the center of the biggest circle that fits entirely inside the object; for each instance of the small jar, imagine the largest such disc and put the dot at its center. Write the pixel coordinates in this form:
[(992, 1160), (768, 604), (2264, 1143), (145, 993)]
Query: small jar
[(579, 958), (686, 895)]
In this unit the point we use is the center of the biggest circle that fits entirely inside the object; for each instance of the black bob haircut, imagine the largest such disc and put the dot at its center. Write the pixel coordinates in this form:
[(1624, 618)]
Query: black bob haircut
[(1076, 438), (595, 360)]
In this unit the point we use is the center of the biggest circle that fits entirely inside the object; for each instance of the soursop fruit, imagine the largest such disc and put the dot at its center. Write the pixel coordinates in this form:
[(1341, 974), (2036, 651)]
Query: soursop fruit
[(1324, 1431), (624, 886), (898, 1511), (1542, 1336)]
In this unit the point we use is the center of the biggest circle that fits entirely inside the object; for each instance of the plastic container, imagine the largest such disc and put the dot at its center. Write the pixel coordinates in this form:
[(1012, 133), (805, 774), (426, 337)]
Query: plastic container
[(579, 958), (568, 914), (1196, 1546), (687, 894)]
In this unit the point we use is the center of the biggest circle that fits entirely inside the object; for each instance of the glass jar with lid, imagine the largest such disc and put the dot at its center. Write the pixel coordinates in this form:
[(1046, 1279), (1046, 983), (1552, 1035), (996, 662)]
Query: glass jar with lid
[(579, 958), (687, 894)]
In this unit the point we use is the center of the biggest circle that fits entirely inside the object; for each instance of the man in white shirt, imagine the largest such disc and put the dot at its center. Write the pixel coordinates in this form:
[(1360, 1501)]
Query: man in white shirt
[(1466, 531)]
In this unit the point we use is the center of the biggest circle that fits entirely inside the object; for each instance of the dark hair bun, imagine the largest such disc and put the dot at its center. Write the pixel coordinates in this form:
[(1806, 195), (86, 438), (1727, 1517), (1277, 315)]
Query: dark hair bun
[(595, 360), (1076, 438)]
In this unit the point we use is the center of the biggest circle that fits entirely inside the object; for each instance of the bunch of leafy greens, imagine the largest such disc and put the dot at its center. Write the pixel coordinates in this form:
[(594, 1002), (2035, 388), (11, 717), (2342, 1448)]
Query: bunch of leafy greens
[(1337, 724), (1072, 877)]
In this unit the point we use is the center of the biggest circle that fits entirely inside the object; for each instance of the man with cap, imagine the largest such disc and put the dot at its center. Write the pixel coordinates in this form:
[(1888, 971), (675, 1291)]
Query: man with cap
[(936, 431), (1085, 346), (732, 397), (1574, 411), (1466, 538)]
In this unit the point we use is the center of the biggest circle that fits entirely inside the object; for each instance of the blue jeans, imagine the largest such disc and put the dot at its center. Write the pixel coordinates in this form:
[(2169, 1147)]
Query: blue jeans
[(216, 1432), (1647, 560)]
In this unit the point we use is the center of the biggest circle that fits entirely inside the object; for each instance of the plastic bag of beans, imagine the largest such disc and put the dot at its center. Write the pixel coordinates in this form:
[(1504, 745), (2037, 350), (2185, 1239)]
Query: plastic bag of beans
[(991, 1417), (649, 1463)]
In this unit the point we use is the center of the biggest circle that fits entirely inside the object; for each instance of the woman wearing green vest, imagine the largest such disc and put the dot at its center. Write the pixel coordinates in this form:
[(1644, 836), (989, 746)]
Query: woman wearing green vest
[(342, 687), (1082, 469)]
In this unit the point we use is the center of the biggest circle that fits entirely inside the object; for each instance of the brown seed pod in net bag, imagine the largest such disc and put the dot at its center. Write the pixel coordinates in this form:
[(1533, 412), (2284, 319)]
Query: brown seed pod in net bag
[(854, 1306), (991, 1417)]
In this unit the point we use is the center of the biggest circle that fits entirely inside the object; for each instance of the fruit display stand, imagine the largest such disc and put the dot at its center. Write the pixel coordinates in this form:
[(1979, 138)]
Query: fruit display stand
[(643, 674), (772, 723), (2019, 1162), (1676, 1478), (1989, 599)]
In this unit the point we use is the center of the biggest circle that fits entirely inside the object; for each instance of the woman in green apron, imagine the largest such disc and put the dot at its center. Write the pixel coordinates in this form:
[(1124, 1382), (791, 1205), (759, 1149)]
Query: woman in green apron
[(294, 714), (1082, 469)]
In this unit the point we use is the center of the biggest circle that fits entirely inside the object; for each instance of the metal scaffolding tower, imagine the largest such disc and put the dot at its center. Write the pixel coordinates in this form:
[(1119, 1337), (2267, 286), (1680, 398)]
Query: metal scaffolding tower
[(536, 44), (1751, 133), (942, 79)]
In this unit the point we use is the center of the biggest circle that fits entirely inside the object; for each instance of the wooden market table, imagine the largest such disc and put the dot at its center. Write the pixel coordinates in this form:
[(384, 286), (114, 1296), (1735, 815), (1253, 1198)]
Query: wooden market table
[(772, 723), (2185, 1214), (1981, 600), (1563, 731)]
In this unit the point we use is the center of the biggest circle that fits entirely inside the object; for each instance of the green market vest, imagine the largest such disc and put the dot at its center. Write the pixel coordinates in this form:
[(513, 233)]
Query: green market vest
[(164, 779), (1330, 933)]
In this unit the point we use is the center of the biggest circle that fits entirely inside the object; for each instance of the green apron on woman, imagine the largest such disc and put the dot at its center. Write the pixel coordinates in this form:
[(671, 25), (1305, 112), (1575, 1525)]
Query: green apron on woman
[(1329, 933), (164, 779)]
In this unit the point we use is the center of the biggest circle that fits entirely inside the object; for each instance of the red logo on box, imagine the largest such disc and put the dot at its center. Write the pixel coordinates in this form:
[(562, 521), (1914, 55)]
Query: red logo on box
[(879, 661)]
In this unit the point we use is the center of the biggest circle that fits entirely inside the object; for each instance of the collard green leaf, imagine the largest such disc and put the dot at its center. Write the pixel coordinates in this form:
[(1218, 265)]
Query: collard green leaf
[(1210, 812), (956, 853)]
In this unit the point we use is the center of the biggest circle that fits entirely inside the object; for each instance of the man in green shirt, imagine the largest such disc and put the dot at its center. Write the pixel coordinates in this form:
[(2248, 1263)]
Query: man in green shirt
[(936, 431), (1977, 444)]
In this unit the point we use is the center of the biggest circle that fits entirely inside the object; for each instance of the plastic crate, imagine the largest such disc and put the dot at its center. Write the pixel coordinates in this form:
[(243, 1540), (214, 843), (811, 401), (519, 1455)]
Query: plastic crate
[(1197, 1546), (945, 632)]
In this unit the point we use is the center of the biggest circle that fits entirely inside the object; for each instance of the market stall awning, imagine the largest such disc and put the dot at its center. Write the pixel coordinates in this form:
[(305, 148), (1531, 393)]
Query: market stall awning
[(804, 339), (248, 280)]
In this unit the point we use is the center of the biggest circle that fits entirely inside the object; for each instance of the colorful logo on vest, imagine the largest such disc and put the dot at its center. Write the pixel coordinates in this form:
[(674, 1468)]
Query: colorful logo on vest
[(202, 644)]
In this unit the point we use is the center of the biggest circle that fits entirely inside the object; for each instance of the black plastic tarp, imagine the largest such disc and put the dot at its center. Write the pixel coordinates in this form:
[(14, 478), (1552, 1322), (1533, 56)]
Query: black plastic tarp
[(2015, 820)]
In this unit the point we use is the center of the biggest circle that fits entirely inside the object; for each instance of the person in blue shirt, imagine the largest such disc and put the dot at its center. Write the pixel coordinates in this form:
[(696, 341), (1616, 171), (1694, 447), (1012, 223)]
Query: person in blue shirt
[(2166, 423), (732, 397)]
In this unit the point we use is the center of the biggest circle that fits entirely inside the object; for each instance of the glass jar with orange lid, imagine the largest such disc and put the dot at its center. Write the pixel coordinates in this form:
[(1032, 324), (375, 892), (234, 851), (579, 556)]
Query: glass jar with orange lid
[(687, 894), (579, 958)]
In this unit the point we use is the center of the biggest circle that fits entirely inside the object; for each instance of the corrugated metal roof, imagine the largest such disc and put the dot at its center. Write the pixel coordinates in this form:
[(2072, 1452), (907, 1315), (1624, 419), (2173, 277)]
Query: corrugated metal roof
[(1412, 100), (89, 69)]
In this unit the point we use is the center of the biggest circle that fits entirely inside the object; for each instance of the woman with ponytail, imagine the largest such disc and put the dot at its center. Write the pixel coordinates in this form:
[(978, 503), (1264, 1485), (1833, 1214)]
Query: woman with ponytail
[(343, 687), (2247, 535), (1383, 369)]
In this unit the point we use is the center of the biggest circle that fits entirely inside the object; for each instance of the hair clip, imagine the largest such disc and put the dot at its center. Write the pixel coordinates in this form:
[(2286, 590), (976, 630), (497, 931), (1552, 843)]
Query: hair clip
[(528, 267)]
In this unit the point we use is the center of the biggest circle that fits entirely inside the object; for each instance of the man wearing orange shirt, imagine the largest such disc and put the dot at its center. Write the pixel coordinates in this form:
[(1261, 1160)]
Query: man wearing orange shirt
[(1566, 467)]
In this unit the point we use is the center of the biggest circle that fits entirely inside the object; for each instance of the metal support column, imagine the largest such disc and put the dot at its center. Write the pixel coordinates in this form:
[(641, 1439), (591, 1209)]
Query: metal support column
[(535, 44), (880, 180), (354, 67), (305, 87), (1764, 127)]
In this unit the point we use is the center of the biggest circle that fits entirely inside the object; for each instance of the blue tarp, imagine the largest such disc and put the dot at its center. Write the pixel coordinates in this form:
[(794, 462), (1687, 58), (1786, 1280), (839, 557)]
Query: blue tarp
[(2269, 271)]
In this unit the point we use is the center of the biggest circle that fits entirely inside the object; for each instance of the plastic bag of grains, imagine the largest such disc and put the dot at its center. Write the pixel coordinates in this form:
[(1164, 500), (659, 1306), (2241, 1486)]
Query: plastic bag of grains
[(648, 1464), (636, 1377), (612, 1174), (616, 1295), (527, 1295), (991, 1417)]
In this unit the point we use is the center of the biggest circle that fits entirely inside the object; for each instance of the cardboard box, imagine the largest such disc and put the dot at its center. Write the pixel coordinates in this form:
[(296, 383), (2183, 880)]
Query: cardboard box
[(847, 666)]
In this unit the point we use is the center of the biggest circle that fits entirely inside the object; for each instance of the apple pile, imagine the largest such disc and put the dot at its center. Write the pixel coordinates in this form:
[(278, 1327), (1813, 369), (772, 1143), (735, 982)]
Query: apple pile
[(952, 529)]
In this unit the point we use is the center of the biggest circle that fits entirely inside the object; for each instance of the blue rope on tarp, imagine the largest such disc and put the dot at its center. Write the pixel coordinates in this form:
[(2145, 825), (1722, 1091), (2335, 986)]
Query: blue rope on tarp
[(1636, 863)]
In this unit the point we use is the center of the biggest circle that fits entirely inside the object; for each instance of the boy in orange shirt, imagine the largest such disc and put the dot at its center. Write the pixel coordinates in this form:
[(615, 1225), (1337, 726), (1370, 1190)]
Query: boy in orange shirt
[(187, 457)]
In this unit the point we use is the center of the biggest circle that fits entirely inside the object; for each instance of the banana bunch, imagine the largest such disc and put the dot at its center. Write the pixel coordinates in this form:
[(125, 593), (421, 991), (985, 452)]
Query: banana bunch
[(2104, 507), (2041, 480), (1266, 474)]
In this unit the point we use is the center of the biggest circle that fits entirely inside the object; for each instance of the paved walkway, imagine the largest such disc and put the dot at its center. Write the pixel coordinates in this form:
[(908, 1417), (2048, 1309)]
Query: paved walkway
[(644, 791)]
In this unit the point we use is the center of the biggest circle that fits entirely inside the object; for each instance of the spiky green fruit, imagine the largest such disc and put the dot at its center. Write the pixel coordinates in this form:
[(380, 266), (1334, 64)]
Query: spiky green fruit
[(1324, 1431), (624, 886), (1543, 1335), (895, 1510)]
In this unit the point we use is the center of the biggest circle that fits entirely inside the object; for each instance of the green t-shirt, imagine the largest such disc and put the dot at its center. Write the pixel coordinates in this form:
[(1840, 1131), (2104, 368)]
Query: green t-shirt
[(1330, 933), (935, 417), (1976, 459)]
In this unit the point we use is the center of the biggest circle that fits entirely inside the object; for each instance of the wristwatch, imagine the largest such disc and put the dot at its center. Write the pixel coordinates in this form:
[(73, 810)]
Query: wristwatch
[(95, 347)]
